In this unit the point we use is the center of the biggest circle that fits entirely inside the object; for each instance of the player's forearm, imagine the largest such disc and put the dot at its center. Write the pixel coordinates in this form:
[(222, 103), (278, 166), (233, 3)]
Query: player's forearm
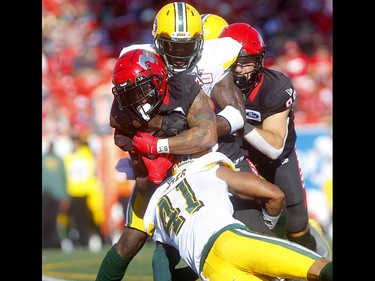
[(229, 120), (266, 142), (223, 126), (249, 186), (274, 206), (272, 209), (193, 140), (227, 96)]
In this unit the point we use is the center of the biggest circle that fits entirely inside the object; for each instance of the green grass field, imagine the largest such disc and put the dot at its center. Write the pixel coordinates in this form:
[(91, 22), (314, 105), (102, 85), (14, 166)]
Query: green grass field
[(83, 265)]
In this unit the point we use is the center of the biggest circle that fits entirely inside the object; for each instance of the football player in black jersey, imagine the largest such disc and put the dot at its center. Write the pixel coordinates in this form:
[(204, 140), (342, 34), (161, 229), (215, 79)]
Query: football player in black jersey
[(269, 134)]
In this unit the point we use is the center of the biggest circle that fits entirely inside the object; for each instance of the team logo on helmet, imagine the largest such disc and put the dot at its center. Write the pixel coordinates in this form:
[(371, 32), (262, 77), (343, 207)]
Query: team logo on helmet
[(145, 58)]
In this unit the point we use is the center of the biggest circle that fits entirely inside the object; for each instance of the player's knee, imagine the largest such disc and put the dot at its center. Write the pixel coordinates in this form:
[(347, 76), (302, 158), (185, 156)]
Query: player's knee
[(297, 218), (304, 238)]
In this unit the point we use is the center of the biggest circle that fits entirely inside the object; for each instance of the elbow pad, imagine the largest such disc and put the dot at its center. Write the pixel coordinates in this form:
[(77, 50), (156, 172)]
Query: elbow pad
[(259, 143), (234, 118)]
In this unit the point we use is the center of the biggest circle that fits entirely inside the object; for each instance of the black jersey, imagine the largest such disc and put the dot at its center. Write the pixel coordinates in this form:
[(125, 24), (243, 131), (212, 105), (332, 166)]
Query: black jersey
[(182, 90), (274, 93)]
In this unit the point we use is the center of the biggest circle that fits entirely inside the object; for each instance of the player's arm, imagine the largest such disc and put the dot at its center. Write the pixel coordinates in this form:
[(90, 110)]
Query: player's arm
[(249, 186), (171, 124), (202, 133), (270, 137), (230, 98)]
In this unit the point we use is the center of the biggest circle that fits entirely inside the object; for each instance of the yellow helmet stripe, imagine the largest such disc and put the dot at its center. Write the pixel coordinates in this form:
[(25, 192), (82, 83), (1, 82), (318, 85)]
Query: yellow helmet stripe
[(180, 16)]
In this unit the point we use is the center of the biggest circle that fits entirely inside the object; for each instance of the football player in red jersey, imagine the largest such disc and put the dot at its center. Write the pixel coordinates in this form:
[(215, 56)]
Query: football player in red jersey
[(269, 134), (141, 91)]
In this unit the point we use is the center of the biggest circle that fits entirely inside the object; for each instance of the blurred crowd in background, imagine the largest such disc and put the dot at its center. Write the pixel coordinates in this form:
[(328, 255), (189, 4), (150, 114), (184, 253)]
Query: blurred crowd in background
[(81, 42)]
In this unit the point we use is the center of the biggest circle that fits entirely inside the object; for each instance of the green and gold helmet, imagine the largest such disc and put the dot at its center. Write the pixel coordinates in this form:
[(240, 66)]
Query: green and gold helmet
[(178, 36), (212, 25)]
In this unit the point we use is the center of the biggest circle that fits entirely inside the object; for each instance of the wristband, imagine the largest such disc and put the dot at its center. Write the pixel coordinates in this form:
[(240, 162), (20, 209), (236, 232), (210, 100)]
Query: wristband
[(270, 221), (162, 146), (233, 116), (247, 128)]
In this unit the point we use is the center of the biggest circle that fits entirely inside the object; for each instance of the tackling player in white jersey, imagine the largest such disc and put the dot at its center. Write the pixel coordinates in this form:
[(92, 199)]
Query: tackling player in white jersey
[(192, 212)]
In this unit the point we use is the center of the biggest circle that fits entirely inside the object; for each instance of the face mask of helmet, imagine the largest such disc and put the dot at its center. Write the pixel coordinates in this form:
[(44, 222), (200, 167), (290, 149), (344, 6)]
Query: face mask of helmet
[(246, 81), (140, 100), (253, 49), (180, 55)]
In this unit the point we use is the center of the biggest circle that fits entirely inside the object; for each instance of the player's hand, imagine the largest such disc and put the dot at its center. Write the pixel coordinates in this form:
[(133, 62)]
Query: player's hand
[(173, 124), (158, 167), (145, 143)]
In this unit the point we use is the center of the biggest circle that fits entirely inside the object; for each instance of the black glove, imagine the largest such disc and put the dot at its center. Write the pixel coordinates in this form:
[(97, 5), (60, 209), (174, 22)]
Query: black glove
[(173, 124)]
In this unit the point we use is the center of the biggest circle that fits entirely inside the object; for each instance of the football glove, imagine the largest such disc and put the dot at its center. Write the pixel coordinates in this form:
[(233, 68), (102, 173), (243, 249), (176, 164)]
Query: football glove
[(145, 143), (158, 168), (173, 124)]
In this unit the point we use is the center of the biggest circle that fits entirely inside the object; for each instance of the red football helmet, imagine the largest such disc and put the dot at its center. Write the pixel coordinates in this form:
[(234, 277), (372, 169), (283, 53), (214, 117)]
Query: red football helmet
[(253, 50), (140, 81)]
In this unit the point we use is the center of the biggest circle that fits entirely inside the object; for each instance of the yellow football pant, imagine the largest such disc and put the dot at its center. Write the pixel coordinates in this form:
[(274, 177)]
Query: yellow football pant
[(240, 255), (135, 211)]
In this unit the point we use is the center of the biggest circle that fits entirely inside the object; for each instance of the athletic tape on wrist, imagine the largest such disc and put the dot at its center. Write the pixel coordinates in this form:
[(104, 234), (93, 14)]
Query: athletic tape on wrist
[(233, 116), (270, 221), (162, 146)]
